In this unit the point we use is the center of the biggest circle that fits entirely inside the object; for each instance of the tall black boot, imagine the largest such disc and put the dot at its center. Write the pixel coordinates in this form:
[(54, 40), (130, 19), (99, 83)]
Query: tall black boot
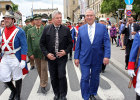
[(18, 89), (12, 88), (137, 97)]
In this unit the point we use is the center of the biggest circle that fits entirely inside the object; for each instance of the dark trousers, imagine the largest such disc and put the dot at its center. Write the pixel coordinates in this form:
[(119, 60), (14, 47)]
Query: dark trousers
[(70, 56), (103, 67), (127, 51), (57, 69), (118, 41), (113, 38)]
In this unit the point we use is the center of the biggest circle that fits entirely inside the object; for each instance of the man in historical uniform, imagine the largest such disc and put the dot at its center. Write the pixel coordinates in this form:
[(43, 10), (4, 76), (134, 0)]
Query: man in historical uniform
[(73, 35), (34, 51), (14, 51), (135, 74), (27, 27)]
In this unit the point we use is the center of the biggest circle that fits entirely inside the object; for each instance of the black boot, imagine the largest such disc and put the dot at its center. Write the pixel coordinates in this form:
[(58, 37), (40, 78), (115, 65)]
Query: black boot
[(12, 88), (18, 89), (137, 97)]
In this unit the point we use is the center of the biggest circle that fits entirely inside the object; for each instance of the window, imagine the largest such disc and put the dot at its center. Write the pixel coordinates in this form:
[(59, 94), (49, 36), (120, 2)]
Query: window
[(73, 2), (99, 7)]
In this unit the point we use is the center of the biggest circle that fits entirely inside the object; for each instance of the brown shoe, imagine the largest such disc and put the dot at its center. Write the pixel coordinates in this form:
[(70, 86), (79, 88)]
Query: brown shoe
[(122, 49)]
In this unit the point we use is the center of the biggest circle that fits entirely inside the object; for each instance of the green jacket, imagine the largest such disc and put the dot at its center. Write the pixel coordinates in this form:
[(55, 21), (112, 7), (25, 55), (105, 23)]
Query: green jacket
[(33, 41), (26, 28)]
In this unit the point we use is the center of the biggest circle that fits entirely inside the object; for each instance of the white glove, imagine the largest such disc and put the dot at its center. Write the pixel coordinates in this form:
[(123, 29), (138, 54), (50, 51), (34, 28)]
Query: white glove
[(131, 73), (22, 64)]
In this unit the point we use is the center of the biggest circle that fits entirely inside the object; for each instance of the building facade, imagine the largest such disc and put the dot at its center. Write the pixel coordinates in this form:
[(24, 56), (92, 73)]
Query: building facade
[(3, 3), (18, 15), (45, 12), (71, 9), (74, 9)]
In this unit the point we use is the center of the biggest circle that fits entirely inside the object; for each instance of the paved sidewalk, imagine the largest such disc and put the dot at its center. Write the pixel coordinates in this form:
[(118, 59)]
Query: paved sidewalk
[(118, 58)]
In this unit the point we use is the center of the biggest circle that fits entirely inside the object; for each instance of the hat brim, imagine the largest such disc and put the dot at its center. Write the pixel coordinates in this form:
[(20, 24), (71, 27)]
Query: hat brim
[(37, 18), (8, 16)]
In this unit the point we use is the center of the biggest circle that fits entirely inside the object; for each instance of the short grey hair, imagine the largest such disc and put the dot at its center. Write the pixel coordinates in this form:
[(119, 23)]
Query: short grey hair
[(90, 9), (56, 12)]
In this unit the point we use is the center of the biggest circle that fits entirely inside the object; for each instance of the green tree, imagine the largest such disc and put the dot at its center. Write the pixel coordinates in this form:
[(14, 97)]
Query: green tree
[(15, 7), (111, 6), (136, 8)]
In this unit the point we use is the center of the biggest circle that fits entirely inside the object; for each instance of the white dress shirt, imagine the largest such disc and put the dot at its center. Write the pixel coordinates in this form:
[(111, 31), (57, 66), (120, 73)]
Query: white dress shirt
[(93, 32), (131, 29)]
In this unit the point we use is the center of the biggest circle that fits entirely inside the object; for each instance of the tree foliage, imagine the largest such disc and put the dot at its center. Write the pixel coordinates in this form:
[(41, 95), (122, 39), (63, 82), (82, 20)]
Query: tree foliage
[(111, 6), (15, 7), (136, 8)]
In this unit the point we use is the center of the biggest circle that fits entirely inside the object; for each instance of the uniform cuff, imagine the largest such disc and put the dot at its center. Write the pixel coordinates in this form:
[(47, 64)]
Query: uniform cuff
[(23, 57), (131, 65)]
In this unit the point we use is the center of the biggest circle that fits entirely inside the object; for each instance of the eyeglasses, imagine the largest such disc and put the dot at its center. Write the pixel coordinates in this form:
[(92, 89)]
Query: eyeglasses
[(89, 15)]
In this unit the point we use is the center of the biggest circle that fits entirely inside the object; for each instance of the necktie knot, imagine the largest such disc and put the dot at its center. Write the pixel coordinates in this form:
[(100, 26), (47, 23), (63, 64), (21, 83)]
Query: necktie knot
[(90, 27), (38, 30)]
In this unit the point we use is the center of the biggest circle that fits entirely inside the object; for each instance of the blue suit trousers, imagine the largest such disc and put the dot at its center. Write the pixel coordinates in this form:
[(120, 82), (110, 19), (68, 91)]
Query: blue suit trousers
[(89, 80)]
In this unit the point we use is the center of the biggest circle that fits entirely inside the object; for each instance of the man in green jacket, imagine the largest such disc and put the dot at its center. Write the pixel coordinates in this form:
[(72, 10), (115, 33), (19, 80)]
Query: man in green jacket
[(34, 52), (26, 28)]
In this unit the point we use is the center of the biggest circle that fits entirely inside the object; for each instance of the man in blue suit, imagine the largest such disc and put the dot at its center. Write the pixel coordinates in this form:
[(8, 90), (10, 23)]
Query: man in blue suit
[(92, 48)]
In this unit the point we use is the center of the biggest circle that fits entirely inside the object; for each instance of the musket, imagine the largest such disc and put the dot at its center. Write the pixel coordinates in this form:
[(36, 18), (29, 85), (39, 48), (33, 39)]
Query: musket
[(135, 69)]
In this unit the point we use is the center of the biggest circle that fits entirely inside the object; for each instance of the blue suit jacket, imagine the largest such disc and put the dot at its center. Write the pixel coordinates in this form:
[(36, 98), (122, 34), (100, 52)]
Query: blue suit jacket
[(92, 54)]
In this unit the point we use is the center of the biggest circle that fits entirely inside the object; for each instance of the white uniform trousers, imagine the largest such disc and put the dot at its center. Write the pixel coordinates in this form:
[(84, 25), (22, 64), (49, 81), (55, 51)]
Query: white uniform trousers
[(9, 68), (137, 89)]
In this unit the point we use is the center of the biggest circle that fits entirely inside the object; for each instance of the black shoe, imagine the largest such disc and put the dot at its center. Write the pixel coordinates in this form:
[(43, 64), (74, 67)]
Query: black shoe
[(43, 90), (125, 67), (32, 67), (103, 71), (12, 95), (56, 97), (137, 97), (92, 97), (12, 88), (63, 98)]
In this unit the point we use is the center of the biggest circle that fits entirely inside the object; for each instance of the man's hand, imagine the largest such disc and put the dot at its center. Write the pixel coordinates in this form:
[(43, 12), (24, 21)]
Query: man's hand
[(51, 56), (32, 57), (76, 61), (106, 61), (61, 53), (127, 24), (133, 33)]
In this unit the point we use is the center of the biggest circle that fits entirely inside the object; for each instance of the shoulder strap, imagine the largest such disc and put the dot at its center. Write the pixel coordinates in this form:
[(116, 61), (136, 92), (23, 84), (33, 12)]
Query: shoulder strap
[(7, 41)]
